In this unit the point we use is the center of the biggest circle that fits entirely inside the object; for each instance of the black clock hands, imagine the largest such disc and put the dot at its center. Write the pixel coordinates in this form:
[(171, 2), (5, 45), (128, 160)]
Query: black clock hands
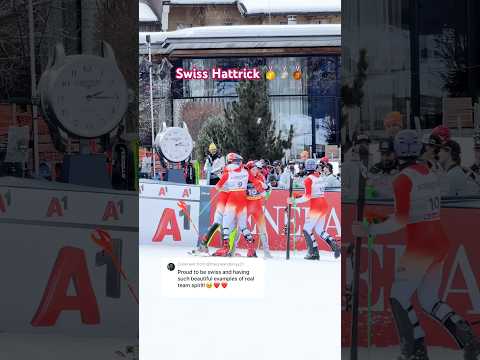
[(95, 94)]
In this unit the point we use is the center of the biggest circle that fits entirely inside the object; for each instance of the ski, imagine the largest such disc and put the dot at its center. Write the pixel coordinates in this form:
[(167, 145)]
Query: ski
[(200, 254)]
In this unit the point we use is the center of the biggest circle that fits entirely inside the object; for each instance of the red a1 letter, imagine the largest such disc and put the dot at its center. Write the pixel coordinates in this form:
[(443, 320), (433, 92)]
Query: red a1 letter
[(69, 266), (54, 208), (110, 211), (168, 225)]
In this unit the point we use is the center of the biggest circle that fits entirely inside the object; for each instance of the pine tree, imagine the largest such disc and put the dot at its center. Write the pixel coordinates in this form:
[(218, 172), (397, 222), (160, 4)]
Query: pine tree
[(249, 128), (352, 95)]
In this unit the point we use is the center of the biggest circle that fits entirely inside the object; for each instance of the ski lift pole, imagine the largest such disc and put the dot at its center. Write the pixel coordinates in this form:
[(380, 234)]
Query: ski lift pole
[(294, 229), (33, 85), (370, 286), (289, 208), (149, 46)]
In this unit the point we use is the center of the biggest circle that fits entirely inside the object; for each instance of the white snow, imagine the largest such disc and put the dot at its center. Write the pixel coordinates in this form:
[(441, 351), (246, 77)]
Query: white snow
[(289, 7), (145, 12), (387, 353), (299, 318), (202, 2), (16, 346), (237, 31), (244, 36)]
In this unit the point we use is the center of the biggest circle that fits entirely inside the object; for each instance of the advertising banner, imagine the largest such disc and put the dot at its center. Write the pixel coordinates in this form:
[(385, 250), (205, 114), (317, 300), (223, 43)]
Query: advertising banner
[(460, 286), (64, 281), (162, 220)]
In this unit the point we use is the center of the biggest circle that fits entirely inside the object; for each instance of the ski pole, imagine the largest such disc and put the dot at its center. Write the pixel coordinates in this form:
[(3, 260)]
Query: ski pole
[(183, 206), (289, 207), (294, 229), (362, 170), (371, 239), (105, 242)]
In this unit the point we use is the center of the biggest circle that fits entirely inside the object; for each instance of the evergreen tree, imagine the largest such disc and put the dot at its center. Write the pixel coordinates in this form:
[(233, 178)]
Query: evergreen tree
[(249, 128), (212, 131), (352, 95)]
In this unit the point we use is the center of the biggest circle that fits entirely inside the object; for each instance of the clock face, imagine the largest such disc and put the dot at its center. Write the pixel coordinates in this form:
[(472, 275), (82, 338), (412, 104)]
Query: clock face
[(176, 144), (87, 95)]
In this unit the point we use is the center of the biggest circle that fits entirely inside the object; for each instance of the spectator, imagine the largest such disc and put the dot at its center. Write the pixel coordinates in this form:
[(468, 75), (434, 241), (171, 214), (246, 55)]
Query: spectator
[(189, 170), (331, 180), (214, 165), (392, 123), (442, 132), (304, 155), (459, 184), (288, 172), (388, 164), (382, 173), (474, 172), (431, 148), (275, 173)]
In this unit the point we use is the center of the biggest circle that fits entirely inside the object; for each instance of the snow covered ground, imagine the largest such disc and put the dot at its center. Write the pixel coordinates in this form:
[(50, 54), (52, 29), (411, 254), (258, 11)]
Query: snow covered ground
[(50, 347), (391, 353), (299, 317)]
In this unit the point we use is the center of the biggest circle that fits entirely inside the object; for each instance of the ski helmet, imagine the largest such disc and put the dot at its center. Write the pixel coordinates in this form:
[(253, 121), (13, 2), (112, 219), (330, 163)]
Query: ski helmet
[(250, 164), (233, 158), (259, 164), (310, 165), (442, 132), (407, 144), (325, 160)]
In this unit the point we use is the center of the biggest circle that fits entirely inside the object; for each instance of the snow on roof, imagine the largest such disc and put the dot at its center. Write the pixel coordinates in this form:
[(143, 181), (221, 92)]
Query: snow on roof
[(200, 2), (288, 7), (145, 12), (244, 36)]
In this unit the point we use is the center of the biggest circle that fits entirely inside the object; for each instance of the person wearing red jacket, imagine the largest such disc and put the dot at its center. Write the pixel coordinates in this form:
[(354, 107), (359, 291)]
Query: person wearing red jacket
[(234, 182), (255, 201), (315, 195), (417, 203)]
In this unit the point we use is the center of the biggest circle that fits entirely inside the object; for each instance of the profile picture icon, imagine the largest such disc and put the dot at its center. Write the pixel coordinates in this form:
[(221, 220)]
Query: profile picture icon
[(171, 266)]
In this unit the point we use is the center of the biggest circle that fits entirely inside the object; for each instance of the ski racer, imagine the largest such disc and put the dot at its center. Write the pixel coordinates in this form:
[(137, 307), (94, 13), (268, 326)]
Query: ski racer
[(417, 202), (234, 182), (314, 194), (255, 200)]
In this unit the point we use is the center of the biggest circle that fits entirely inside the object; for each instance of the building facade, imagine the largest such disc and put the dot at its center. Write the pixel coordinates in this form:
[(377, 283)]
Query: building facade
[(309, 100), (422, 60), (178, 14)]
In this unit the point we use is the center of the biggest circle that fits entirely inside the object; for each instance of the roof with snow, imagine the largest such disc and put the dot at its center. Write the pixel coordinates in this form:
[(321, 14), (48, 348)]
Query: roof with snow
[(199, 2), (288, 7), (243, 36), (145, 12)]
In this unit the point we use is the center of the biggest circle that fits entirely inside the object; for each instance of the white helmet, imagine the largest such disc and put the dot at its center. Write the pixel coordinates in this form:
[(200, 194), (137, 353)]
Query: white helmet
[(407, 144), (310, 165)]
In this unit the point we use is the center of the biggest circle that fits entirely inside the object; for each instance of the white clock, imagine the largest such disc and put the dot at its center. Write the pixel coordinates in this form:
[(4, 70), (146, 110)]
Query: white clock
[(175, 143), (85, 95)]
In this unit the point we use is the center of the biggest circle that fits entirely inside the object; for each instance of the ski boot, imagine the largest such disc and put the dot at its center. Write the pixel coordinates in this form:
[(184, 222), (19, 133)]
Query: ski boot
[(335, 248), (332, 243), (202, 247), (313, 255), (471, 347), (266, 254), (251, 249), (419, 351), (224, 251)]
